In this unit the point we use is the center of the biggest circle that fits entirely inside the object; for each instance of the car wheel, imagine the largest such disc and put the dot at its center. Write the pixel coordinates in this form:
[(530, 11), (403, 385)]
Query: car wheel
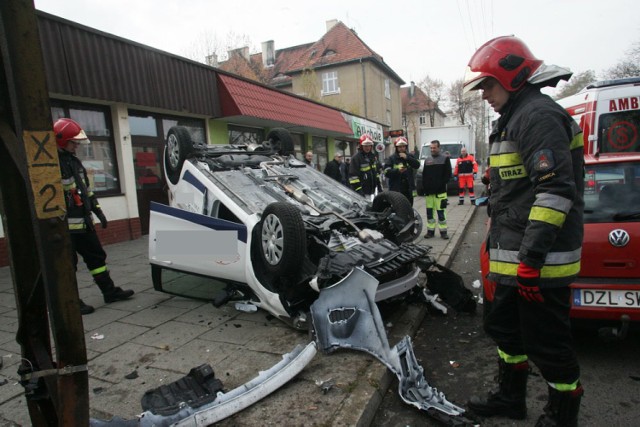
[(399, 205), (279, 140), (282, 238), (178, 148)]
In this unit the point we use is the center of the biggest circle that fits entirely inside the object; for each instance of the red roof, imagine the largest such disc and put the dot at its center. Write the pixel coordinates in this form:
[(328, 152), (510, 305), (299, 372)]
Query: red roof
[(243, 98), (339, 44), (417, 103)]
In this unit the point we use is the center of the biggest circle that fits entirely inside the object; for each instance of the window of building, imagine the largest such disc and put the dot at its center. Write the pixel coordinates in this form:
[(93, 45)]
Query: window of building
[(404, 121), (389, 117), (330, 83), (423, 118), (98, 157), (387, 90), (245, 135)]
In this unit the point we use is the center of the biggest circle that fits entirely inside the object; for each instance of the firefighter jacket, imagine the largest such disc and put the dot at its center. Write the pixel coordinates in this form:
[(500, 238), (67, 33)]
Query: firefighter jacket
[(79, 199), (399, 171), (364, 172), (465, 166), (536, 155), (436, 174)]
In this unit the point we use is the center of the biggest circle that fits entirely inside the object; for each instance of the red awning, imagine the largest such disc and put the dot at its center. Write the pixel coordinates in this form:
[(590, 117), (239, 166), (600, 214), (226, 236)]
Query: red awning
[(242, 98)]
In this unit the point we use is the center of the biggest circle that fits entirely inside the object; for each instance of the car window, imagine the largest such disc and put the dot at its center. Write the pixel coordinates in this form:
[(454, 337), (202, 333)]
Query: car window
[(619, 132), (612, 192)]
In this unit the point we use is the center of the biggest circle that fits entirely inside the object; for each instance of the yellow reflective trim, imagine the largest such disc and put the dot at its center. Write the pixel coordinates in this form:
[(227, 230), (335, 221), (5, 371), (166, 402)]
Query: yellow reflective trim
[(512, 359), (507, 159), (556, 271), (547, 271), (77, 226), (565, 387), (550, 216), (98, 270), (354, 180), (513, 172), (577, 142), (365, 168)]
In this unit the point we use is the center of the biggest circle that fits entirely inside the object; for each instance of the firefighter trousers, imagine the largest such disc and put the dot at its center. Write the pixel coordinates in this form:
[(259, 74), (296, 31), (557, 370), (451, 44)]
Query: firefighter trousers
[(466, 182), (539, 330), (89, 247), (437, 203)]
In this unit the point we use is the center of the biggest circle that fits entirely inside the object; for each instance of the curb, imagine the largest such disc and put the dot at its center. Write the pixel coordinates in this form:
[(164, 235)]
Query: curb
[(408, 324)]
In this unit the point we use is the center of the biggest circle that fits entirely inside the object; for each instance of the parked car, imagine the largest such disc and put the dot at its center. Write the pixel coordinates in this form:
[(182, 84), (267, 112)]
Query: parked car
[(251, 223), (606, 293)]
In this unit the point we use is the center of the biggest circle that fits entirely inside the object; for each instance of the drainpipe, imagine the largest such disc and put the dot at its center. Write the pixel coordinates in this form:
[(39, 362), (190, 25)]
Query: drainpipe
[(364, 89)]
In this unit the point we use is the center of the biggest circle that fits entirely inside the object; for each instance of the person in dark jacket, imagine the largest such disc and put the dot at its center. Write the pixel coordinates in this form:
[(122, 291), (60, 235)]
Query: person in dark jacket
[(535, 236), (435, 175), (364, 170), (81, 203), (333, 168), (399, 167)]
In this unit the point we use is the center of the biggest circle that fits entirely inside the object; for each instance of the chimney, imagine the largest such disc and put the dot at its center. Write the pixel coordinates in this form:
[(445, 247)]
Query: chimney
[(268, 53), (412, 90), (242, 52), (212, 60), (331, 23)]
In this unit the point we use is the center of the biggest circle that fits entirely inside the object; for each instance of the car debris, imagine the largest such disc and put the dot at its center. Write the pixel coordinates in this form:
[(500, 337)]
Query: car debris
[(345, 316)]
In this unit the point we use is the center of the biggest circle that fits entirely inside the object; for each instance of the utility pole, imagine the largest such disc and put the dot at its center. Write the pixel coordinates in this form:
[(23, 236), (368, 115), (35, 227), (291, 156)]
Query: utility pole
[(31, 200)]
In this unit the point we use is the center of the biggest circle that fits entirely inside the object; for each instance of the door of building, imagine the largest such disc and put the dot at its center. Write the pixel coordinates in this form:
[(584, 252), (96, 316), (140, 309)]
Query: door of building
[(148, 133)]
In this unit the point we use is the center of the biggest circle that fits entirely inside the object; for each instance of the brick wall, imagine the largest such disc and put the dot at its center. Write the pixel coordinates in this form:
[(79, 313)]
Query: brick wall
[(118, 231)]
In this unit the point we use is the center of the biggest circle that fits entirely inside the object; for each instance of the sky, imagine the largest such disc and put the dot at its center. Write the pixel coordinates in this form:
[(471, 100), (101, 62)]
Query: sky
[(416, 38)]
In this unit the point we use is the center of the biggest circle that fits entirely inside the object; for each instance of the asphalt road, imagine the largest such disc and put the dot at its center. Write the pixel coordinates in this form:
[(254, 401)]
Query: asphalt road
[(460, 360)]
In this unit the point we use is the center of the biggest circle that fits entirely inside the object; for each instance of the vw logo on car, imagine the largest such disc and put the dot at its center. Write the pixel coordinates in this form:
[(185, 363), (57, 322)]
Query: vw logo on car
[(619, 238)]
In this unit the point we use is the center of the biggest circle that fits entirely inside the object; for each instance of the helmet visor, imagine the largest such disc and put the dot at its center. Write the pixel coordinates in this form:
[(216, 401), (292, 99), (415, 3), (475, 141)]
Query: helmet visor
[(472, 80)]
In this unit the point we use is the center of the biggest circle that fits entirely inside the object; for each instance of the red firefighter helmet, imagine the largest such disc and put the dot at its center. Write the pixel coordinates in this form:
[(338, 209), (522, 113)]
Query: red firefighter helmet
[(365, 139), (68, 130), (507, 59), (401, 141)]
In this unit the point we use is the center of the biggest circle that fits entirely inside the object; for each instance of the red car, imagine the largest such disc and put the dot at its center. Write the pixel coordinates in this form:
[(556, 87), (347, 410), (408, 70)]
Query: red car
[(608, 286)]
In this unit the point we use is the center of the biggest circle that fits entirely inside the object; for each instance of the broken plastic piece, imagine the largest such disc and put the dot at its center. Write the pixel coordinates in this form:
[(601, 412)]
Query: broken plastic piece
[(245, 307), (346, 316)]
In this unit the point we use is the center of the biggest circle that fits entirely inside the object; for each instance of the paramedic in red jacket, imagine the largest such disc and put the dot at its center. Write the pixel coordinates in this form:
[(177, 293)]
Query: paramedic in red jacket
[(465, 172)]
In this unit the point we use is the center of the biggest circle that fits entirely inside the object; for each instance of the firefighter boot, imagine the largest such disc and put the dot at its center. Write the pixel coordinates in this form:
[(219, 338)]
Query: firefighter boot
[(444, 235), (110, 292), (510, 398), (430, 234), (85, 309), (562, 408)]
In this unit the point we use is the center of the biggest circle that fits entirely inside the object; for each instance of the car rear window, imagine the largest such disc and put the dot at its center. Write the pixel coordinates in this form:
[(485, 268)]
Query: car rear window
[(612, 192)]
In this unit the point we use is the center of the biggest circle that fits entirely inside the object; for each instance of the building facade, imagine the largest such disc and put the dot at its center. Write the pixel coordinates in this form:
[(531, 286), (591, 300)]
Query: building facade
[(127, 96), (417, 110)]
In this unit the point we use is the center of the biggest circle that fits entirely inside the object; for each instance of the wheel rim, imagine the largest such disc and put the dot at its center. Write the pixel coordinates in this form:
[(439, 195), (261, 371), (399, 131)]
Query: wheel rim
[(272, 239), (173, 149)]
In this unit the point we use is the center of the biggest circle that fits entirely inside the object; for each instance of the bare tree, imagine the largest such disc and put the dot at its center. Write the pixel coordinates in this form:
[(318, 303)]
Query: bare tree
[(208, 45), (465, 106), (629, 66), (576, 83), (434, 89)]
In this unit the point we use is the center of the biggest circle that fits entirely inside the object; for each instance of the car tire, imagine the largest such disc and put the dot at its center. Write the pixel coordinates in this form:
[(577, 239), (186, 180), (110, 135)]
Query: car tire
[(399, 205), (178, 148), (279, 140), (282, 238)]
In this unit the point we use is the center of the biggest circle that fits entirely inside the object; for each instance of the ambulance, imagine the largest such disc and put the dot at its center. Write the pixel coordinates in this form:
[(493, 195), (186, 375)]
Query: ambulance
[(608, 287)]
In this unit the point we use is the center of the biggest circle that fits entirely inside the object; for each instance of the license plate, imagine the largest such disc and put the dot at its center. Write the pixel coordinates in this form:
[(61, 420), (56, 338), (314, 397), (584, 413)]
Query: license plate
[(606, 298)]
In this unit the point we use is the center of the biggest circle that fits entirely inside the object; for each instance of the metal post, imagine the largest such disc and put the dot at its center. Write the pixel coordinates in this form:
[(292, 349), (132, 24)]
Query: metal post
[(39, 246)]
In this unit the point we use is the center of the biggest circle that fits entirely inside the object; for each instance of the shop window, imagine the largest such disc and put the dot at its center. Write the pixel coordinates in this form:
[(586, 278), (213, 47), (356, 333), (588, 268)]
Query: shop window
[(98, 157), (245, 135), (320, 151)]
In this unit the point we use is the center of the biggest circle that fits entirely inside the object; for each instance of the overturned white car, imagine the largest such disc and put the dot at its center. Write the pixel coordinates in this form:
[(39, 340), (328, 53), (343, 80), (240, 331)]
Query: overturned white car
[(251, 223)]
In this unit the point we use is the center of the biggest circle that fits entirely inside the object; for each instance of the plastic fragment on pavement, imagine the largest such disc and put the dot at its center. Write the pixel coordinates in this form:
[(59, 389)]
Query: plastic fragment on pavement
[(476, 284)]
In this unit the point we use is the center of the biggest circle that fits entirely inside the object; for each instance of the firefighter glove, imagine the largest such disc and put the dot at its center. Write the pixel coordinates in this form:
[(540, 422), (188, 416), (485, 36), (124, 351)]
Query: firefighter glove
[(444, 203), (528, 283), (102, 218)]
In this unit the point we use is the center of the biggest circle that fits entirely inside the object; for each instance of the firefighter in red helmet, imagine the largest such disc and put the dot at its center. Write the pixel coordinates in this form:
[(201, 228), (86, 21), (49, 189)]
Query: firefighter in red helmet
[(81, 202), (535, 236), (364, 170), (399, 169)]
